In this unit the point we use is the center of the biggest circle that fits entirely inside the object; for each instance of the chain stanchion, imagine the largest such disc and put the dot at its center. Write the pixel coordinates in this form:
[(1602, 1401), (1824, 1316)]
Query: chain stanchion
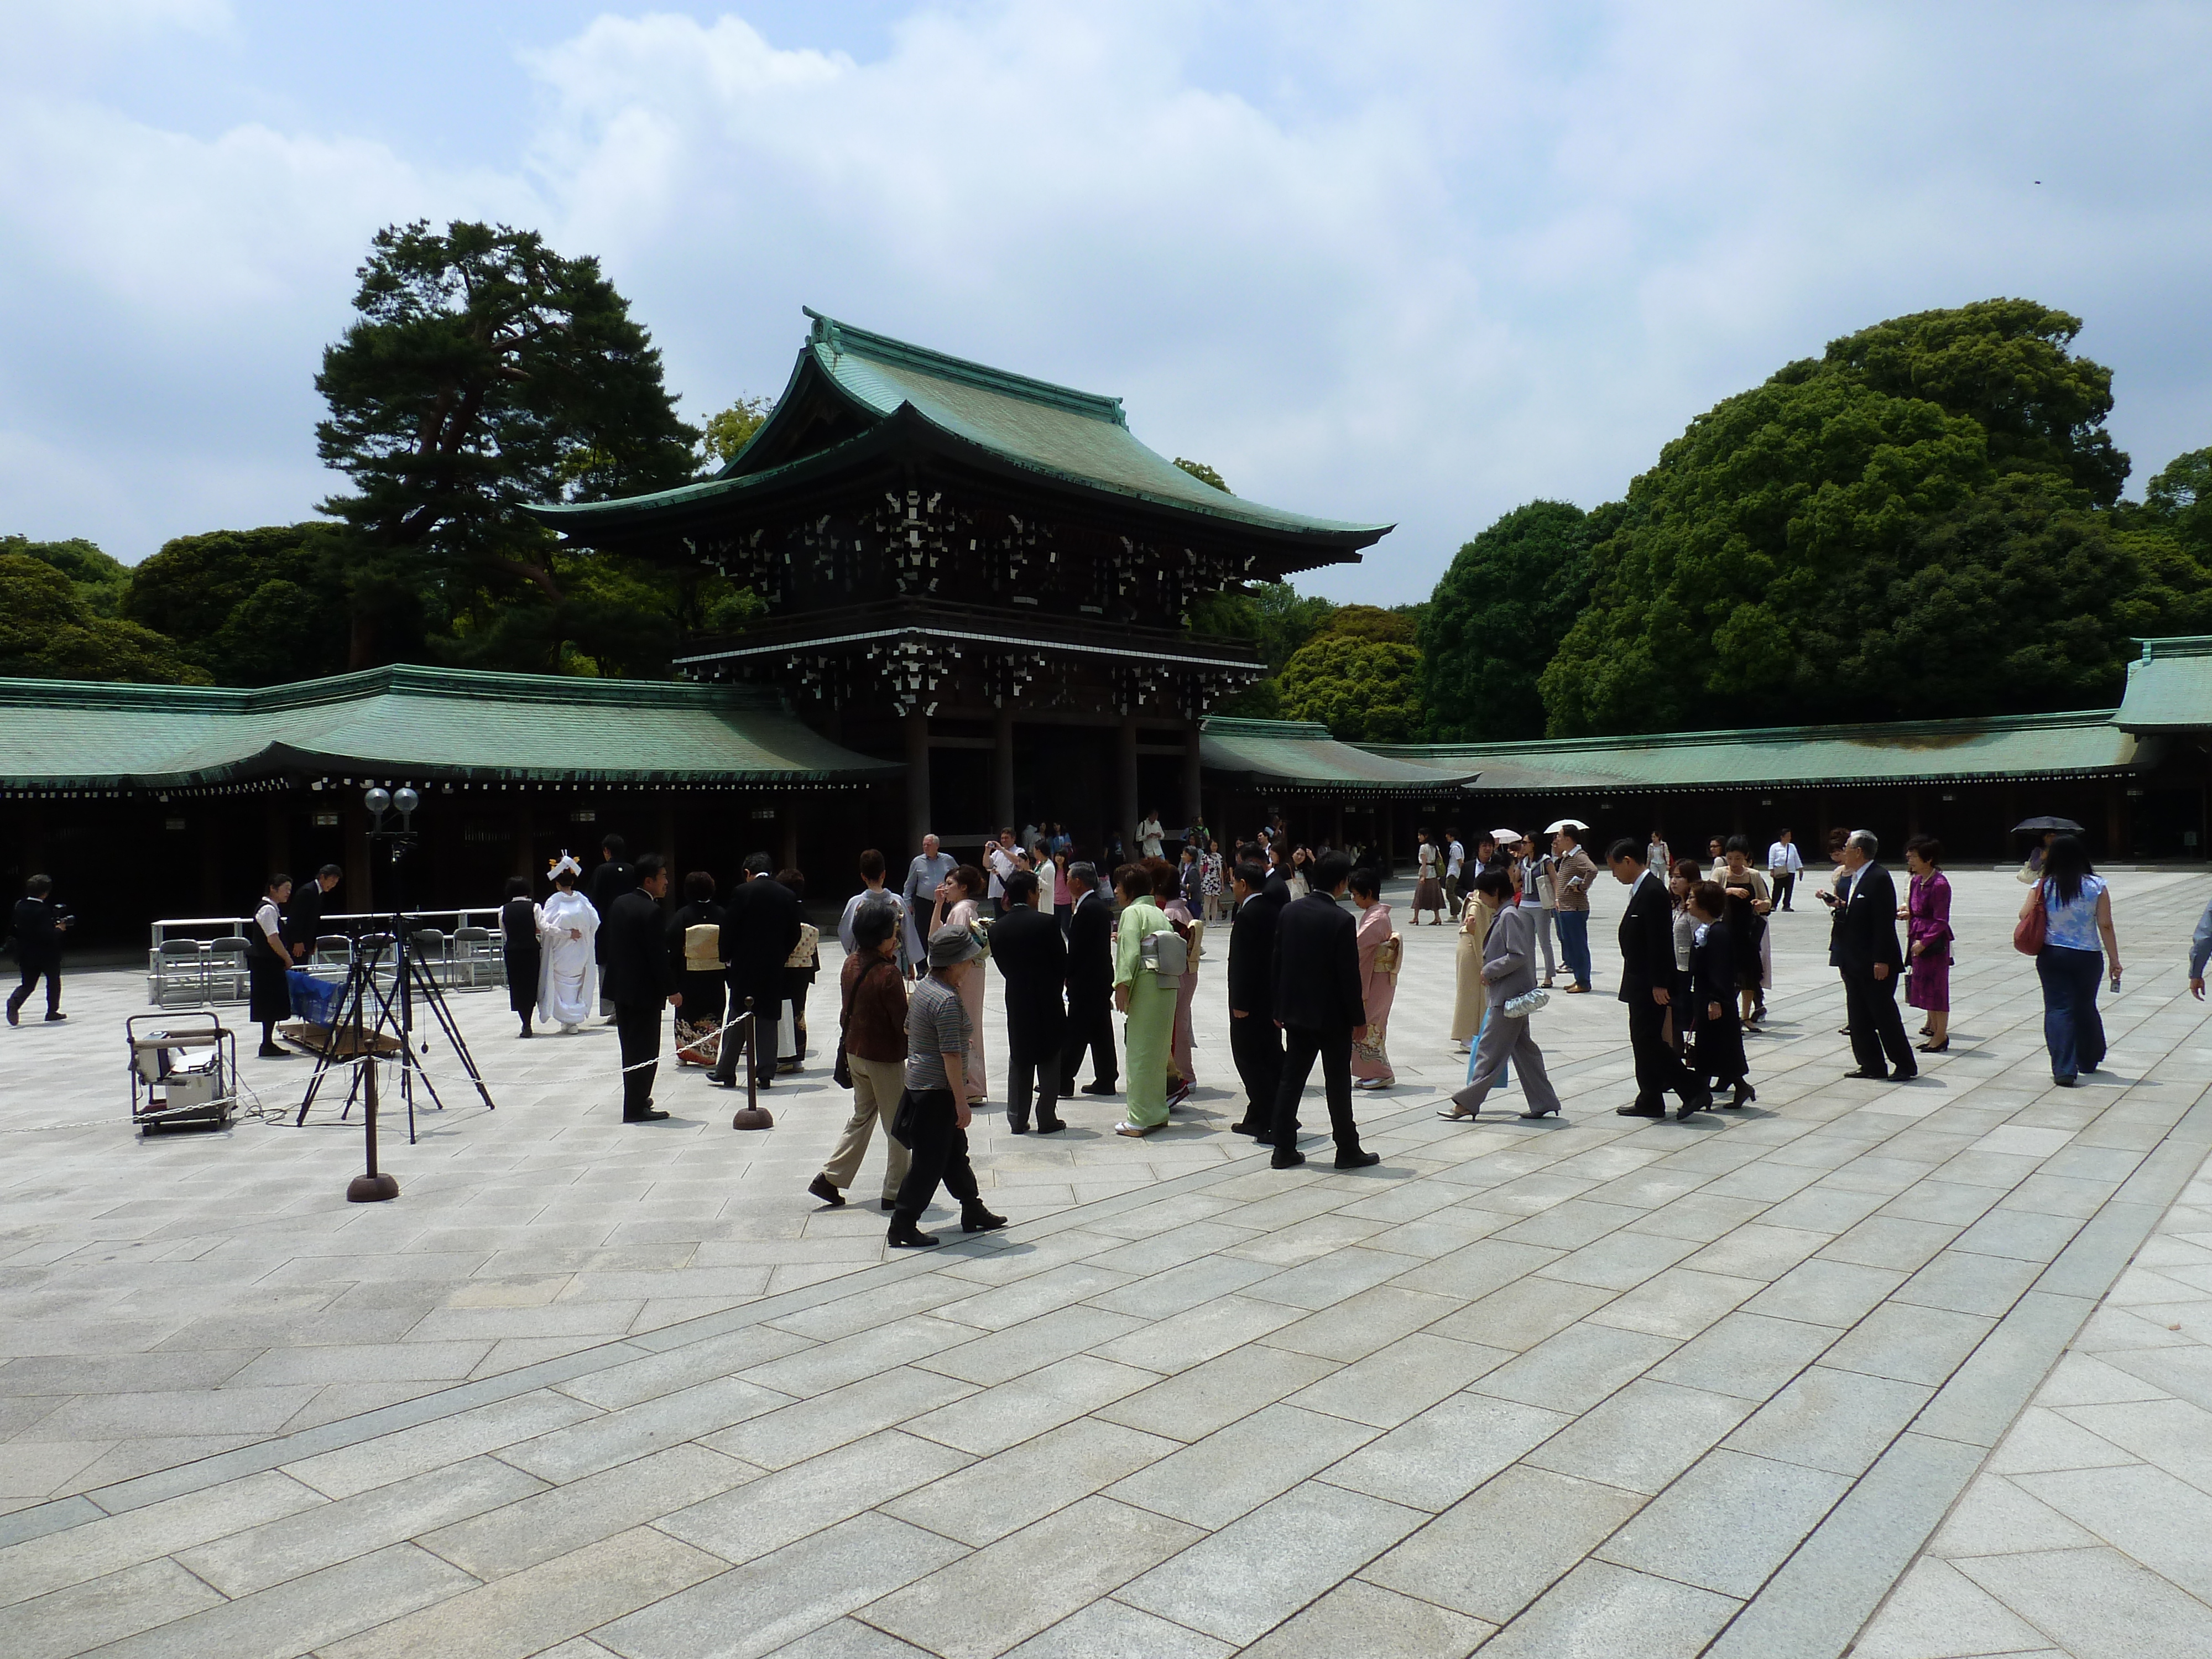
[(752, 1115), (375, 1187)]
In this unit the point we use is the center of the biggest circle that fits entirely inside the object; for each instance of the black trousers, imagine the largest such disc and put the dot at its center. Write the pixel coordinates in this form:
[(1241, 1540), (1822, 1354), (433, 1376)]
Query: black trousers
[(1659, 1069), (767, 1008), (1089, 1025), (1784, 884), (1877, 1029), (1033, 1052), (34, 969), (939, 1152), (1255, 1044), (1302, 1045), (638, 1025)]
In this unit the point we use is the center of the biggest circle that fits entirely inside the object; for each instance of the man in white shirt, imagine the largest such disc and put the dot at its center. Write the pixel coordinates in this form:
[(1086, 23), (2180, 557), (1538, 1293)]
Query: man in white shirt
[(1151, 833), (923, 878), (999, 856), (1455, 862), (1783, 862)]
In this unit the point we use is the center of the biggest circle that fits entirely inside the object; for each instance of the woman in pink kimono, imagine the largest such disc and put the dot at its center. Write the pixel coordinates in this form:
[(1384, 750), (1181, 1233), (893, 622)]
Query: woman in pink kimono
[(1378, 982), (1927, 915), (959, 904)]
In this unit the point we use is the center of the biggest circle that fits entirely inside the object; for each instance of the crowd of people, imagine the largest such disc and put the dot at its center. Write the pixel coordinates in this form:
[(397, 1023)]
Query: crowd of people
[(1312, 969)]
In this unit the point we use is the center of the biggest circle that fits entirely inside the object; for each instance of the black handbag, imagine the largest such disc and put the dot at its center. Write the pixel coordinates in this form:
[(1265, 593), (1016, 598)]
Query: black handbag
[(905, 1122)]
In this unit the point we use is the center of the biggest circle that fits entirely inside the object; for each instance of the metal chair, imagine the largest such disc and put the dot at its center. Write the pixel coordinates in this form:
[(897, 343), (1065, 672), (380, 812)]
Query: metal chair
[(429, 947), (180, 971), (332, 951), (228, 977), (474, 951)]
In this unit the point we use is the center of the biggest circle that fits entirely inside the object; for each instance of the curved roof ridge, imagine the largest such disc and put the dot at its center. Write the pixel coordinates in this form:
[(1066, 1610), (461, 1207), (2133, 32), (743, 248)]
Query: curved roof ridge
[(841, 338)]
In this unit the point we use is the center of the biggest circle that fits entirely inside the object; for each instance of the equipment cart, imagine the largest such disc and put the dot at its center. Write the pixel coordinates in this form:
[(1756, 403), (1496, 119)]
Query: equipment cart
[(183, 1075)]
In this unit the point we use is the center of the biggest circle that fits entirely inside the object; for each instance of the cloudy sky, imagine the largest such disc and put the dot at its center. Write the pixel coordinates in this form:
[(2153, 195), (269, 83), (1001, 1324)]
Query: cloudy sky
[(1393, 260)]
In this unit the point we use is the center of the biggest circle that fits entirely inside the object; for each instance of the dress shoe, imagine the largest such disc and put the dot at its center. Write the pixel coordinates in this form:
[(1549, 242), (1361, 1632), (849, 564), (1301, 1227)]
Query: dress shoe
[(1700, 1101), (1905, 1074), (1871, 1076), (1745, 1094), (1534, 1117), (650, 1114), (824, 1189), (1358, 1158), (1577, 990), (1017, 1125), (50, 1018), (1943, 1047), (1245, 1128), (15, 1015), (889, 1203), (975, 1219), (1287, 1157), (1049, 1126), (905, 1236), (271, 1051), (1639, 1110), (1459, 1117), (1095, 1087), (2067, 1082)]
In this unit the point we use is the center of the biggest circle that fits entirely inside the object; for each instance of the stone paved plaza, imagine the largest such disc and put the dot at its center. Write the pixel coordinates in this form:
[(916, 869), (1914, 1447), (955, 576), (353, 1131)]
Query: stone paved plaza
[(1925, 1368)]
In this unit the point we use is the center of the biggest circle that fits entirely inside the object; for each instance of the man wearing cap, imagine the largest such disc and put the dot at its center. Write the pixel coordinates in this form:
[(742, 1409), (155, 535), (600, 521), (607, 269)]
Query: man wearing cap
[(1572, 875), (936, 1100)]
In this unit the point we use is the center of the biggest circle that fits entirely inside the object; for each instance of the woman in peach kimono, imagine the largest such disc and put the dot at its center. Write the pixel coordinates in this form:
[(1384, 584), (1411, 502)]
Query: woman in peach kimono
[(1378, 982)]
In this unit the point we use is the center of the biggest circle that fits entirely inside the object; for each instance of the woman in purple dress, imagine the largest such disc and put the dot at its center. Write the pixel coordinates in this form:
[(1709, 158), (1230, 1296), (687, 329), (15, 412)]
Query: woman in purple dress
[(1927, 915)]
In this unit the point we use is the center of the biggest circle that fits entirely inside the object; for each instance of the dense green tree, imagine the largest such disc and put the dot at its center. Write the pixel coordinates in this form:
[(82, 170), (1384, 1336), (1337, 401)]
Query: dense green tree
[(1778, 546), (1497, 616), (1275, 618), (99, 578), (47, 631), (1204, 474), (1364, 689), (730, 430), (251, 607), (2179, 500), (484, 372)]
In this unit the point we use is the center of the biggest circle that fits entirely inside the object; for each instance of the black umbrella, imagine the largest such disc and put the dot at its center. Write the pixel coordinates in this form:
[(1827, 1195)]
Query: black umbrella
[(2040, 824)]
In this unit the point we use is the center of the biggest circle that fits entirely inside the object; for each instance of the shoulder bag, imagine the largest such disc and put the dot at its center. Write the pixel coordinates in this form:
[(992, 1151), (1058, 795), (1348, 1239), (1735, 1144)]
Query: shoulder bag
[(2029, 931), (841, 1070)]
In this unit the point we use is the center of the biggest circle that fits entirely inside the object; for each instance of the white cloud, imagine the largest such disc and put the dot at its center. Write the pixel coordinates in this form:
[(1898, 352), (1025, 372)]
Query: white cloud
[(1407, 261)]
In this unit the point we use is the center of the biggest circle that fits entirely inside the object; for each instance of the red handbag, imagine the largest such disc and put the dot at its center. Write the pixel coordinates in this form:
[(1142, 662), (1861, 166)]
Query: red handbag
[(2027, 933)]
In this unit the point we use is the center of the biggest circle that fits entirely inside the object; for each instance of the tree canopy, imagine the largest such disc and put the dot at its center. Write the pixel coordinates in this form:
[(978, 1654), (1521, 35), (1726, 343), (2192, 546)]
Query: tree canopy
[(1497, 616), (485, 371), (1203, 473), (1364, 688), (730, 430), (99, 579), (1904, 526), (48, 631)]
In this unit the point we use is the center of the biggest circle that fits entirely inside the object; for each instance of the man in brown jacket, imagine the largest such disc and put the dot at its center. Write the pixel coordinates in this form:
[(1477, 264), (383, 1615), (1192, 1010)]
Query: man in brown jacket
[(1572, 875), (873, 997)]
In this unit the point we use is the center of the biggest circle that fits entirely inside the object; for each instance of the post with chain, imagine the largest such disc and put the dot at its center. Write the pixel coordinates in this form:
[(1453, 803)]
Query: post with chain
[(373, 1187)]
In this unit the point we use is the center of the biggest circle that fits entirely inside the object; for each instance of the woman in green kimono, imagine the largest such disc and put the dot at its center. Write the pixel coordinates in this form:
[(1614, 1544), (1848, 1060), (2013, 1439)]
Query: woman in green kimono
[(1146, 997)]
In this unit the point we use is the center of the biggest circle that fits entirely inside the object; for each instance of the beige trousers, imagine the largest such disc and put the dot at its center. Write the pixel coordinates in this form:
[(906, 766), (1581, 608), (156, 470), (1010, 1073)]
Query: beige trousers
[(876, 1085)]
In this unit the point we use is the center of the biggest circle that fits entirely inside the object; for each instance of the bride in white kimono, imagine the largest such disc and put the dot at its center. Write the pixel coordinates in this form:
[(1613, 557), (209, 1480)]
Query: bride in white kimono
[(568, 980)]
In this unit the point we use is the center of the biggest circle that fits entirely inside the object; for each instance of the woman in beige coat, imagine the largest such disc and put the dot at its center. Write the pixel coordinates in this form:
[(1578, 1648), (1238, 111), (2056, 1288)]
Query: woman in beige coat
[(1469, 1005)]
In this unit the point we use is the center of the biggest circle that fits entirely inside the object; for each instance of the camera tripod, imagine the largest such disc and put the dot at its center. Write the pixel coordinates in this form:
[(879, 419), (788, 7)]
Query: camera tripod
[(395, 1009), (363, 1011)]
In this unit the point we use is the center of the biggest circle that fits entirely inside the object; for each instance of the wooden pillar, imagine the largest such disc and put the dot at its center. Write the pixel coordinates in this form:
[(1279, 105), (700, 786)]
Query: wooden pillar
[(1336, 838), (2116, 818), (360, 881), (664, 842), (276, 837), (916, 728), (1002, 771), (524, 849), (1385, 833), (1125, 785), (1193, 810), (210, 839)]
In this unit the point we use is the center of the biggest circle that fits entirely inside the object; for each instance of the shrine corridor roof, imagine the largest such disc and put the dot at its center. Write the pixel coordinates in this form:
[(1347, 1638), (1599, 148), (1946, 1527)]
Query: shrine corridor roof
[(1059, 433), (412, 723)]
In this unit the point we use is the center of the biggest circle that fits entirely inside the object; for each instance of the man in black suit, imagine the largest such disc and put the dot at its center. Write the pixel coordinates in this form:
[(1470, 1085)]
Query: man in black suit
[(1255, 1042), (760, 928), (641, 978), (1320, 1005), (1647, 976), (1089, 985), (613, 876), (1032, 957), (1868, 956), (303, 917)]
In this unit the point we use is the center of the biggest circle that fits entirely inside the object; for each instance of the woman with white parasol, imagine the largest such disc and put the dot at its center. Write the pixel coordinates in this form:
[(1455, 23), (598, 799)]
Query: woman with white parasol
[(569, 980)]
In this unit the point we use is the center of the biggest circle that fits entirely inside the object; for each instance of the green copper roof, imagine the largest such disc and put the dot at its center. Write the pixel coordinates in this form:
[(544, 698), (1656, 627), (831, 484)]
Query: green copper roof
[(1079, 437), (420, 723), (1914, 751), (1300, 757), (2169, 686)]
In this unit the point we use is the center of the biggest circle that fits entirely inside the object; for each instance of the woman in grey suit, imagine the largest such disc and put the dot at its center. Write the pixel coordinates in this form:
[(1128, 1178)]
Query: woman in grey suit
[(1508, 970)]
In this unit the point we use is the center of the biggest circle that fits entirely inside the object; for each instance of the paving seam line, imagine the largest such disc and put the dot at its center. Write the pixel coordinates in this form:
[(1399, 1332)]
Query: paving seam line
[(1817, 1602)]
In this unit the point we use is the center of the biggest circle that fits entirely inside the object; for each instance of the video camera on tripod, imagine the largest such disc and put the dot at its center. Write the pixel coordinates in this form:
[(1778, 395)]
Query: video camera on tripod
[(373, 1015)]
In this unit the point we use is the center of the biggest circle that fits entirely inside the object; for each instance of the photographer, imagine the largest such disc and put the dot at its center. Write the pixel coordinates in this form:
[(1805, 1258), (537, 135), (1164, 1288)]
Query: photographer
[(39, 924)]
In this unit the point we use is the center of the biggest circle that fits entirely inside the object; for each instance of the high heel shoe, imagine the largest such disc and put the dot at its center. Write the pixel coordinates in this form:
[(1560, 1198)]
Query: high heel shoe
[(1944, 1047)]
